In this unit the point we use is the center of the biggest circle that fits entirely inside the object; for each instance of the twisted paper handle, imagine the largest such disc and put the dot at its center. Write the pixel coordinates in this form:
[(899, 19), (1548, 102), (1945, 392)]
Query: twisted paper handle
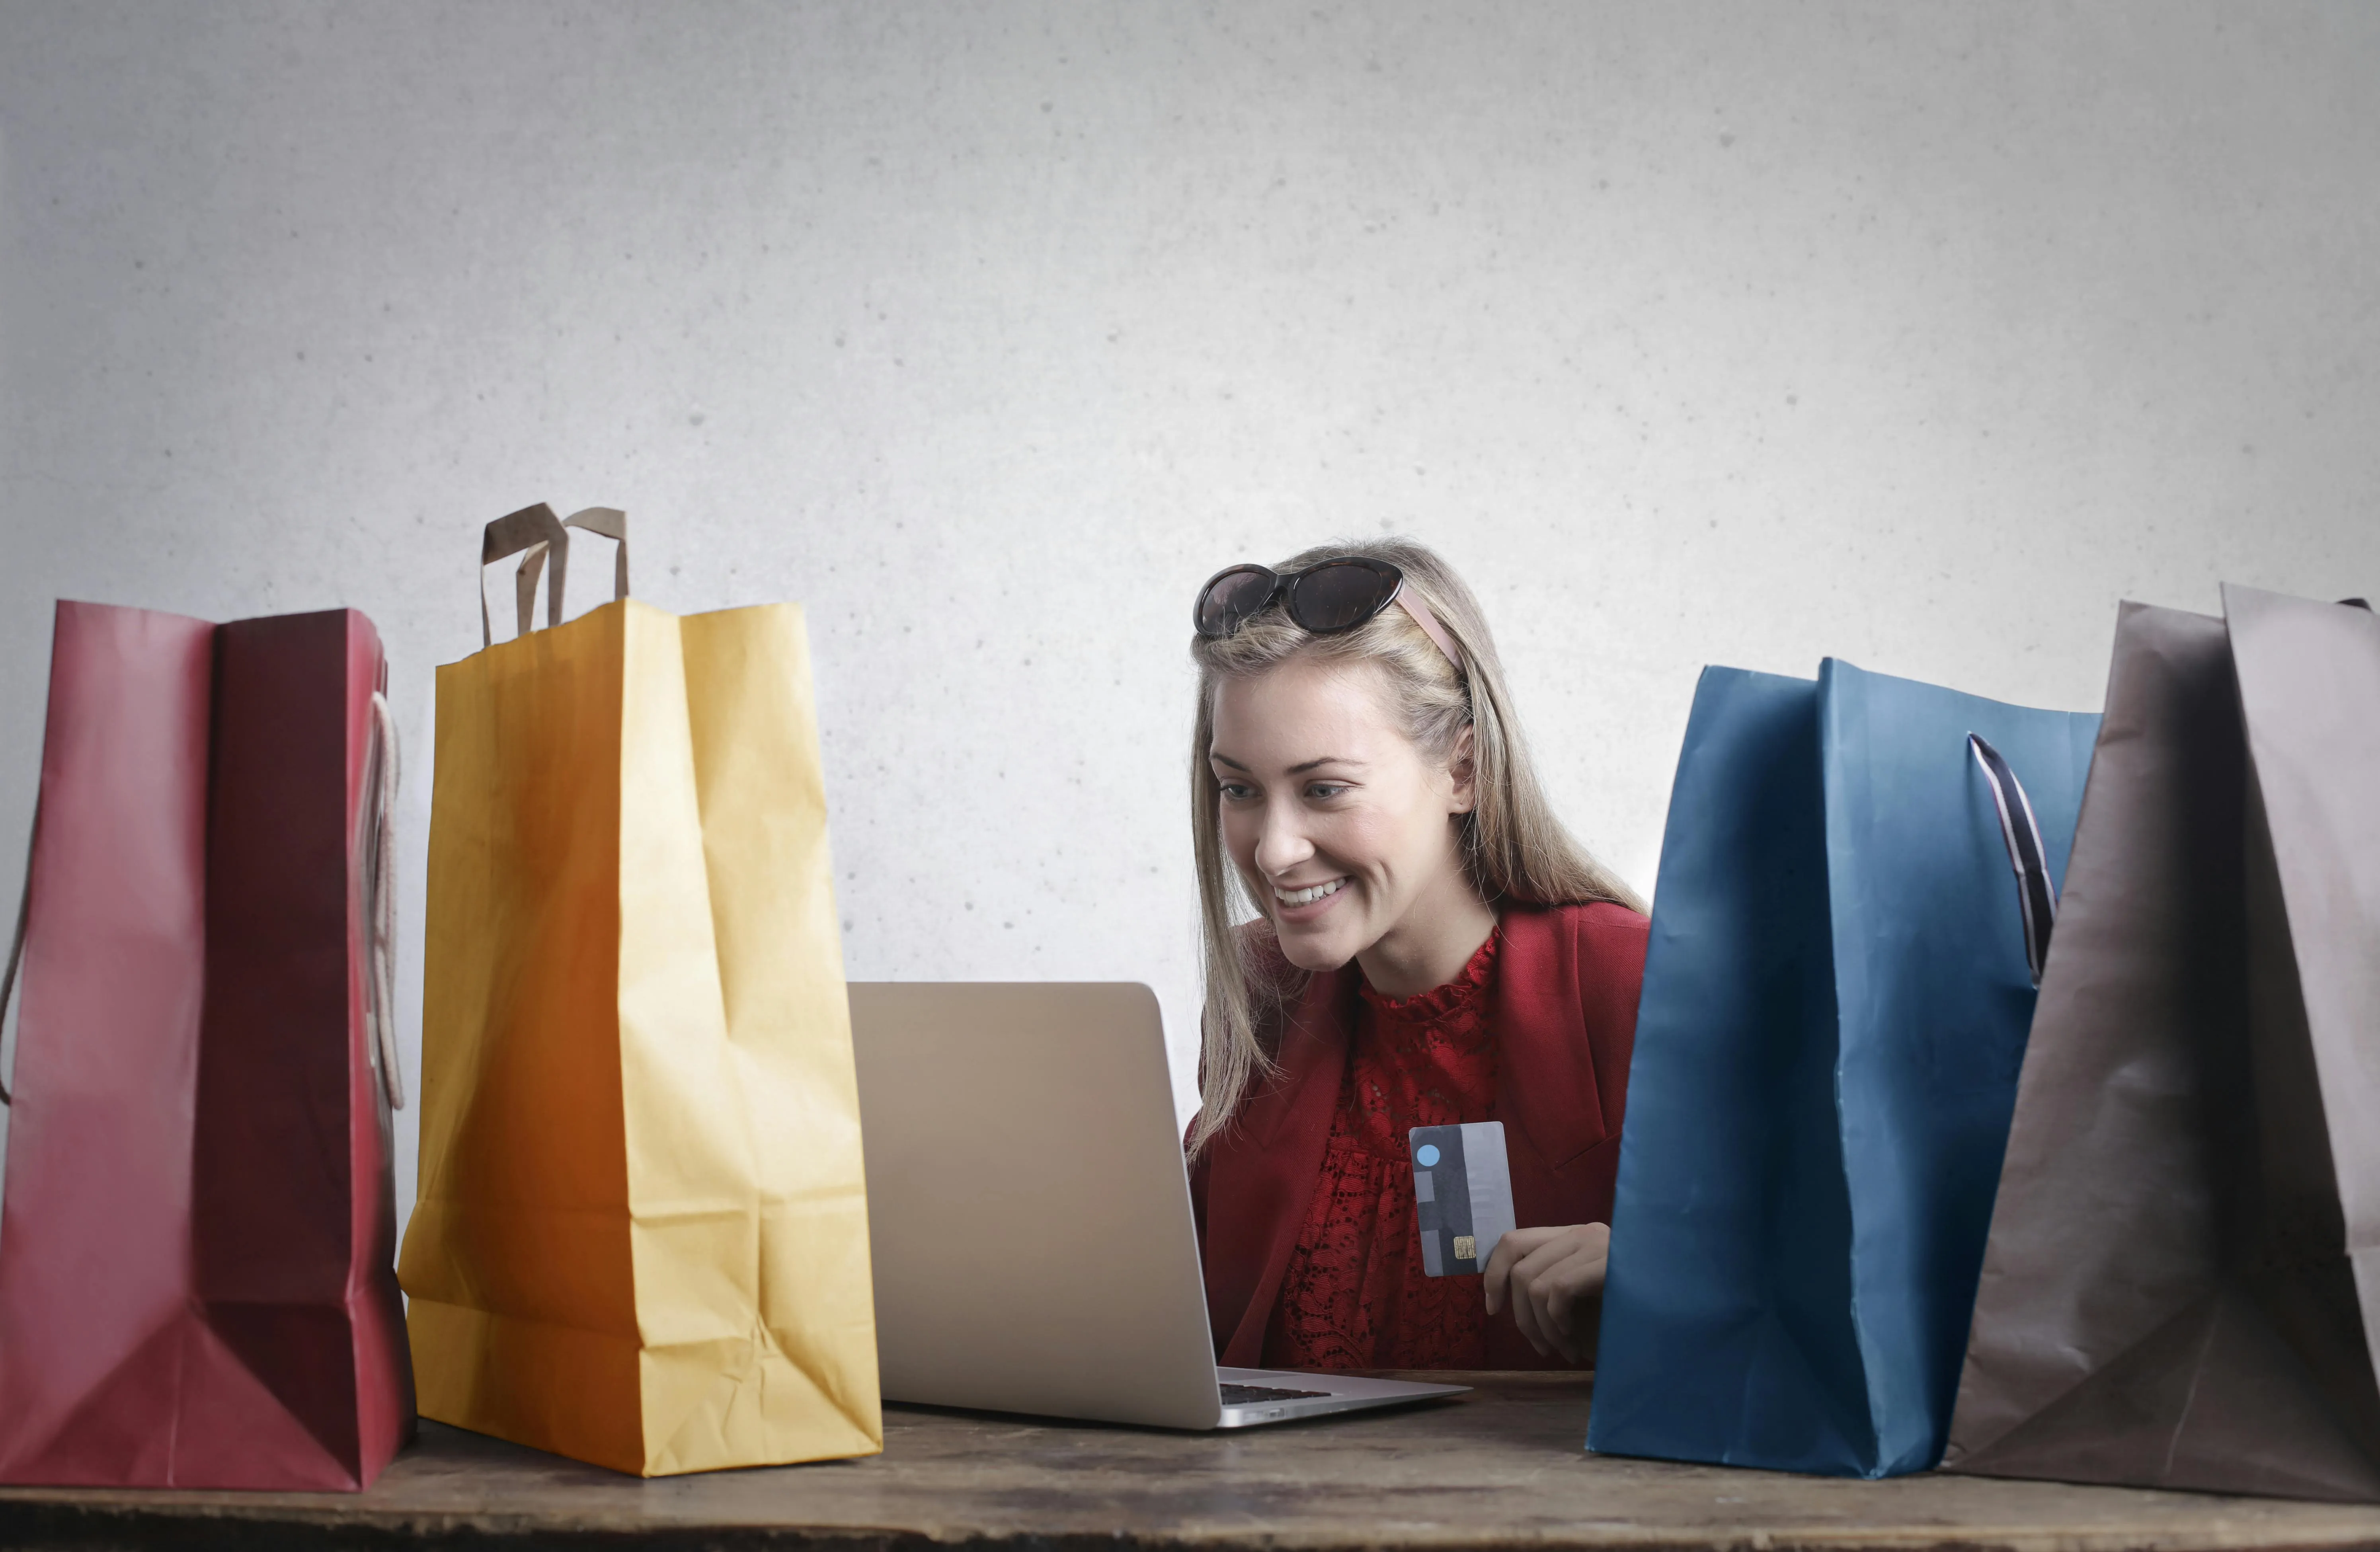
[(380, 929)]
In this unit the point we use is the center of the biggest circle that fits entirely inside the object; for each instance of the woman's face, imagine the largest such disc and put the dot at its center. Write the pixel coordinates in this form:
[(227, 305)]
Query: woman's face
[(1338, 823)]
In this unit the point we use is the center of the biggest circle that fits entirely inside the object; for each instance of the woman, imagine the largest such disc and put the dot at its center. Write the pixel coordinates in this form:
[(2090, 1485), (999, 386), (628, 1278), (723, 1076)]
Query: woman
[(1432, 947)]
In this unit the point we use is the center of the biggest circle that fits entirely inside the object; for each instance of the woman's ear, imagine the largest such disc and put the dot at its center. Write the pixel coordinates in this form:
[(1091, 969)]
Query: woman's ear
[(1464, 769)]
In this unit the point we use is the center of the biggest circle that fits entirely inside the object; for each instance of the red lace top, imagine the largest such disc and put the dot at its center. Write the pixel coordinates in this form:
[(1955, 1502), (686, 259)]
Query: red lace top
[(1354, 1295)]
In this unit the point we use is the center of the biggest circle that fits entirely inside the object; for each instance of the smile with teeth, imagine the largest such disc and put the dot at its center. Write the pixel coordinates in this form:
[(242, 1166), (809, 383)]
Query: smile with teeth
[(1308, 896)]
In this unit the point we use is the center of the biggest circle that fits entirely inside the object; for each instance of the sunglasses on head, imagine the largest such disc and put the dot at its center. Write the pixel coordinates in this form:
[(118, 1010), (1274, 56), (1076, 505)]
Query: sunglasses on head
[(1330, 596)]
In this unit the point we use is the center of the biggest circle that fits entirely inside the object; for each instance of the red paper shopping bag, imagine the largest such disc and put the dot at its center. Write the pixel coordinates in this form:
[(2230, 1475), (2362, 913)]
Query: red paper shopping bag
[(196, 1280)]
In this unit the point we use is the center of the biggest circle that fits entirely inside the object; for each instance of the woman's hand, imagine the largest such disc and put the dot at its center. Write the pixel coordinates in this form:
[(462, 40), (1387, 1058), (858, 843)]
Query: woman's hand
[(1549, 1275)]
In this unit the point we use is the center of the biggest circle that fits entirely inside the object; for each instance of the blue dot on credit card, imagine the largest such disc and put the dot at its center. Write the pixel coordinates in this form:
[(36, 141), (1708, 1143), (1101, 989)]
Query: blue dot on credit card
[(1428, 1153)]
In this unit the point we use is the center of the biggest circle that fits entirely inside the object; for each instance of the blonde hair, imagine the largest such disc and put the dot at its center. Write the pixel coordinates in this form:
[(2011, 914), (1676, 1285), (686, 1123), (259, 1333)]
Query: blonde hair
[(1513, 848)]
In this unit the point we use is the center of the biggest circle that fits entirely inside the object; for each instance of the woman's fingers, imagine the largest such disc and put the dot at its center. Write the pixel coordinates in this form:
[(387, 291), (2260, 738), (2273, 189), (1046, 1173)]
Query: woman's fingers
[(1576, 1280), (1525, 1316), (1552, 1315), (1554, 1290), (1500, 1270), (1525, 1253), (1544, 1250), (1509, 1251), (1556, 1339), (1544, 1273)]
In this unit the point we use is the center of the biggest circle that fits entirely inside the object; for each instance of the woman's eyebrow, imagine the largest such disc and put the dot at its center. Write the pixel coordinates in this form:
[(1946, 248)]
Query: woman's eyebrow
[(1300, 769)]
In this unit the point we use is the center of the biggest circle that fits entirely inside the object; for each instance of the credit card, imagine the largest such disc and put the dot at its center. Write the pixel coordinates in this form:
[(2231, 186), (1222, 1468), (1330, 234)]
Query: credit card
[(1463, 1194)]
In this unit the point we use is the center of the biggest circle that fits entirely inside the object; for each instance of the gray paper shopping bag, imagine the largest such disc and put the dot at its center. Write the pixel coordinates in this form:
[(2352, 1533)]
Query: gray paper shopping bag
[(2169, 1297)]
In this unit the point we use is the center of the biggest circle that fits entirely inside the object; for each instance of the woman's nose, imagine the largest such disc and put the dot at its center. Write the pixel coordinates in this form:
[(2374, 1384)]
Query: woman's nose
[(1281, 845)]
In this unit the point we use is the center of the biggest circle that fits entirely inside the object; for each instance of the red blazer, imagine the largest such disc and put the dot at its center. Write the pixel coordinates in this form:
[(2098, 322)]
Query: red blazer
[(1563, 1008)]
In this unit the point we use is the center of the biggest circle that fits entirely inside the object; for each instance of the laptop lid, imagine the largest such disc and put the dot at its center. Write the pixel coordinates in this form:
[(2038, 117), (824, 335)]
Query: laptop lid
[(1028, 1208)]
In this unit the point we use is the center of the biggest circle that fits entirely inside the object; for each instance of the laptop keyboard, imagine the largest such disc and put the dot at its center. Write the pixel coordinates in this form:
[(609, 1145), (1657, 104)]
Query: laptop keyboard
[(1241, 1395)]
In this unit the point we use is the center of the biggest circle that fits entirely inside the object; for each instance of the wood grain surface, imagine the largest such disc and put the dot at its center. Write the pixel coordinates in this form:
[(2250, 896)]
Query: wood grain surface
[(1502, 1467)]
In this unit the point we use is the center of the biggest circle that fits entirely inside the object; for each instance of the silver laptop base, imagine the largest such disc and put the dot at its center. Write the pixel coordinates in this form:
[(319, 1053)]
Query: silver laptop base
[(1337, 1393)]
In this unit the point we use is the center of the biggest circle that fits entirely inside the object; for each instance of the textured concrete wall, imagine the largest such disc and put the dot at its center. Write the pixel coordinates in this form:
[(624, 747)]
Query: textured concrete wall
[(1915, 335)]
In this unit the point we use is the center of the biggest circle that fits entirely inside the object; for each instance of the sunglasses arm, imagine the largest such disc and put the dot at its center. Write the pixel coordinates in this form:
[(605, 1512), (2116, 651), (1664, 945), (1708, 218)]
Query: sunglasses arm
[(1410, 601)]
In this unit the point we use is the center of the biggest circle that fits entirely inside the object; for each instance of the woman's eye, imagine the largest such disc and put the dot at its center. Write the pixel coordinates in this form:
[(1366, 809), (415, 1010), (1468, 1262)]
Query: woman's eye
[(1325, 791), (1235, 793)]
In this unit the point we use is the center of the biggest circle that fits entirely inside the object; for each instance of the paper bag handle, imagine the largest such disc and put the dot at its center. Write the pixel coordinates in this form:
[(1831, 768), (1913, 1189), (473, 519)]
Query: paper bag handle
[(17, 947), (535, 529), (532, 533), (380, 923), (2021, 832), (605, 522)]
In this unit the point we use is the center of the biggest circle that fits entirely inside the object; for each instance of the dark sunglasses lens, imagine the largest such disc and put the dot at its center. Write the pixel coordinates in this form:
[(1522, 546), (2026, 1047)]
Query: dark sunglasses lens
[(1231, 598), (1340, 596)]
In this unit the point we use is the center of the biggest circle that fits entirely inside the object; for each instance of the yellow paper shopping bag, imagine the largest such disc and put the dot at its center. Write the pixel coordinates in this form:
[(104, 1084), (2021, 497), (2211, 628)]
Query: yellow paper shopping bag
[(642, 1233)]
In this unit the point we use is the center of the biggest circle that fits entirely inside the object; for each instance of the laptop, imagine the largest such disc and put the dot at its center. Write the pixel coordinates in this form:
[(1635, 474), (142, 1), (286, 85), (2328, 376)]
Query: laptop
[(1031, 1216)]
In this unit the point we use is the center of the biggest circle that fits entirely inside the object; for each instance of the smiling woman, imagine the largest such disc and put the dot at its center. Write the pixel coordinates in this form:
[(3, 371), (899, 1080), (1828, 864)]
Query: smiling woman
[(1429, 947)]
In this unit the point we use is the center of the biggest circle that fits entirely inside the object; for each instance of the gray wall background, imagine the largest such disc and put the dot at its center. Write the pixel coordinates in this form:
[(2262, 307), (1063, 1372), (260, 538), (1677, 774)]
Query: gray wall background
[(1915, 334)]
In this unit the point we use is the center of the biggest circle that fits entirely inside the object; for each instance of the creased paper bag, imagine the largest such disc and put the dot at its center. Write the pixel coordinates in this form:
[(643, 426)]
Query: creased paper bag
[(642, 1233), (2179, 1290)]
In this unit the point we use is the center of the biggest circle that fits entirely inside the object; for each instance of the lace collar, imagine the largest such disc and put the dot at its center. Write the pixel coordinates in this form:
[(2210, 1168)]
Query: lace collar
[(1438, 1002)]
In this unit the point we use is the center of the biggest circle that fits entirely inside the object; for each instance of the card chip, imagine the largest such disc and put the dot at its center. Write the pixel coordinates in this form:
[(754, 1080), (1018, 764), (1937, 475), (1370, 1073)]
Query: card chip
[(1466, 1248)]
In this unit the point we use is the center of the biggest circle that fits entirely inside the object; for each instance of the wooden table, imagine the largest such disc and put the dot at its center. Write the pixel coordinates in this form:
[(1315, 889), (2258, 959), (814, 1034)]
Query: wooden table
[(1502, 1467)]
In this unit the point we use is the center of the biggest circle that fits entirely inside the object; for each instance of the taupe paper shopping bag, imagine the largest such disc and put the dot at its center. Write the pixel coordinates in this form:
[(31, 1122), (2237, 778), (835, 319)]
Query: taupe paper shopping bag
[(2173, 1295)]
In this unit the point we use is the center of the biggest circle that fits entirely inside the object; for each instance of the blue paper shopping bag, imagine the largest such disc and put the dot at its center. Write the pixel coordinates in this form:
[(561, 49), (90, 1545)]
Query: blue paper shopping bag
[(1857, 884)]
